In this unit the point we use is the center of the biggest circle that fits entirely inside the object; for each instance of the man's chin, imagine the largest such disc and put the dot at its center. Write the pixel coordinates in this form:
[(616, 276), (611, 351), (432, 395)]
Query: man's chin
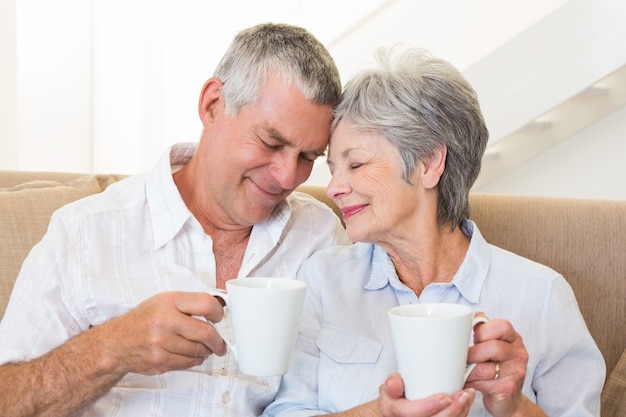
[(259, 213), (259, 205)]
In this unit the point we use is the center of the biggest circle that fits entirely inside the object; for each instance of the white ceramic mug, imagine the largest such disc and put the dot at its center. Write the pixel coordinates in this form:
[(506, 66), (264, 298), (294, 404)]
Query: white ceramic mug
[(265, 315), (431, 343)]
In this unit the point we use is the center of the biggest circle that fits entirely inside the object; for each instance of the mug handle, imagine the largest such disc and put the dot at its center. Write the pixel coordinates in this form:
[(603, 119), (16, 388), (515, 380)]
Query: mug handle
[(470, 367), (222, 297)]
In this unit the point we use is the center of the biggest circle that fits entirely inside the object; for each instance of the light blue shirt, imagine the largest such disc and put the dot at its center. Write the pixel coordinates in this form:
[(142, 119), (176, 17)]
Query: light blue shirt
[(344, 351)]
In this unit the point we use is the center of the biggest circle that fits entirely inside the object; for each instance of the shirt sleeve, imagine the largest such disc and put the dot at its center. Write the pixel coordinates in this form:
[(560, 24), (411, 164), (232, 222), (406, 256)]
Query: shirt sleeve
[(569, 376), (326, 226), (330, 231), (37, 318)]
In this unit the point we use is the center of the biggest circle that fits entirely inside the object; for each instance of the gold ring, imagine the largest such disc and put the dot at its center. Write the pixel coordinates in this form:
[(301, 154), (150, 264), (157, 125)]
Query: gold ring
[(497, 374)]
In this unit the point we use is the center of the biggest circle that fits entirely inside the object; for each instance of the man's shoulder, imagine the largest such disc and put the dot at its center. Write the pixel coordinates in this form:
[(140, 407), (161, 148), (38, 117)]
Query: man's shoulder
[(301, 201), (119, 196), (306, 214)]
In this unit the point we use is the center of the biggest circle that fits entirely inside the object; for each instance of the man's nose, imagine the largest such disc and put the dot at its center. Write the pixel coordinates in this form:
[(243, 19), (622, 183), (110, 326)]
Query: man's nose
[(287, 172)]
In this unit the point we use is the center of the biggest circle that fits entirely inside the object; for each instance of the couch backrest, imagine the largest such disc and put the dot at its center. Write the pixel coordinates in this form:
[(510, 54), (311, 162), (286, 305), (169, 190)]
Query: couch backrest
[(584, 240), (27, 200)]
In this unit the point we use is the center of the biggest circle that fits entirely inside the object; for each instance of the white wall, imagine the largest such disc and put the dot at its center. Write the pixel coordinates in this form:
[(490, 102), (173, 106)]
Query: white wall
[(590, 164), (53, 85), (460, 31), (152, 57), (106, 85), (8, 87), (532, 74)]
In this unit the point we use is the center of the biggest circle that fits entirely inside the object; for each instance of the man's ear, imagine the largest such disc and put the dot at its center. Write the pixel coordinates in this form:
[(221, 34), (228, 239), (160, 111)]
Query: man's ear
[(210, 98), (433, 166)]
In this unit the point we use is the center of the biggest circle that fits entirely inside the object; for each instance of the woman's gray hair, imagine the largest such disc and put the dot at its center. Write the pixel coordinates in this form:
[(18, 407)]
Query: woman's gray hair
[(421, 103), (291, 52)]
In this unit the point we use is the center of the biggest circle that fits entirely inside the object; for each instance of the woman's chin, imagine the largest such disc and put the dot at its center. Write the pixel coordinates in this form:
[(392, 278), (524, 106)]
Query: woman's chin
[(355, 235)]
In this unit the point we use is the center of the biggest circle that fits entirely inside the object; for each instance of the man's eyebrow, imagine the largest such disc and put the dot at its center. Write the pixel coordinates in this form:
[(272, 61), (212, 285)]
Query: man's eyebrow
[(318, 152), (273, 133)]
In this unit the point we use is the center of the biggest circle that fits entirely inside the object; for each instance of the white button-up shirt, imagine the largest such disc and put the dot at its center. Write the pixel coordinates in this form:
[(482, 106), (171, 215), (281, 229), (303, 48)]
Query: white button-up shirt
[(105, 254)]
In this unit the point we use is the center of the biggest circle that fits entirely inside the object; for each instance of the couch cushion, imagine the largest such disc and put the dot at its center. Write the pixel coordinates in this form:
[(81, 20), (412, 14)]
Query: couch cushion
[(11, 178), (614, 393), (25, 211), (583, 239)]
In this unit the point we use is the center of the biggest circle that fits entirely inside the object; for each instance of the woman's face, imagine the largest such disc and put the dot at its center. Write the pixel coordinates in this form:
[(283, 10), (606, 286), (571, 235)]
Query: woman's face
[(367, 185)]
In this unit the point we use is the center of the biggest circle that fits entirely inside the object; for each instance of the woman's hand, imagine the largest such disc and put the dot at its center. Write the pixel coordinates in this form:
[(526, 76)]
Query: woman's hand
[(501, 359), (392, 403)]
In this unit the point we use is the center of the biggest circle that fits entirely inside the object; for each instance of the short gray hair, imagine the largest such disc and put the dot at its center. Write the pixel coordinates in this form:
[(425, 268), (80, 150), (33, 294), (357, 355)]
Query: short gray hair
[(420, 103), (291, 52)]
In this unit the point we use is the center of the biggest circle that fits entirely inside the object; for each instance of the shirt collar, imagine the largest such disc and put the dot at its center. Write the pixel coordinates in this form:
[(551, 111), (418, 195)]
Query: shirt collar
[(168, 212), (382, 262), (274, 225), (469, 279), (264, 238)]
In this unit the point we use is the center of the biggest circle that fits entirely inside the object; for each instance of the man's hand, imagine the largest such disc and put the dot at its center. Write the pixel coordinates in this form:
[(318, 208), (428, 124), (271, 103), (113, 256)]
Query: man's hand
[(159, 335), (162, 334)]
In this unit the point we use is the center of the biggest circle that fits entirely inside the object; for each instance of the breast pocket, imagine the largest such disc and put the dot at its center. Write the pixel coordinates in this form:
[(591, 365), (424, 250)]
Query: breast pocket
[(347, 363)]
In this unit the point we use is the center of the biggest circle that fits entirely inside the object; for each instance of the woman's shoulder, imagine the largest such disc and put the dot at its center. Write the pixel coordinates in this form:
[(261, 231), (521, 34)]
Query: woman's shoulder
[(505, 263)]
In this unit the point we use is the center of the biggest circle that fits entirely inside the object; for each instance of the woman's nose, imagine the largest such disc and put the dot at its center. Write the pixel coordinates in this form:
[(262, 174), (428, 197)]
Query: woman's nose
[(337, 187)]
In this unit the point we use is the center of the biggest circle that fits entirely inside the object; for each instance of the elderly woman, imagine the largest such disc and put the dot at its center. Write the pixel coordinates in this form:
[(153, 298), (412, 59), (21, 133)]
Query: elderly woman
[(406, 148)]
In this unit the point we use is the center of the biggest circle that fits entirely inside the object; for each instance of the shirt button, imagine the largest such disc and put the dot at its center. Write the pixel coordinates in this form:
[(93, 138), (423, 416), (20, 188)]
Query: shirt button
[(226, 397), (223, 371)]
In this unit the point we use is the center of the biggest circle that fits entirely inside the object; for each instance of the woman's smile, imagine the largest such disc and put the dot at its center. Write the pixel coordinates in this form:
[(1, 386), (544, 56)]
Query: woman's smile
[(350, 211)]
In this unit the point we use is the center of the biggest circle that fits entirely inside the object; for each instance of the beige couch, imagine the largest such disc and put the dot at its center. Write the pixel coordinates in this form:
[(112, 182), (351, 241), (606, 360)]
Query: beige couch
[(585, 240)]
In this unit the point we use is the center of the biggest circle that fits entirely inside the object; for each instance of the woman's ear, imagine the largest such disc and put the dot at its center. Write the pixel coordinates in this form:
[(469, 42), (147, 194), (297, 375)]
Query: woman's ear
[(433, 166), (210, 98)]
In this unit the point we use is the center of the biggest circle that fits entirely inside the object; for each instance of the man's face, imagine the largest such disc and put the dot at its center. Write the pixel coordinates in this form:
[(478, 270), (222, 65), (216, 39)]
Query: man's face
[(255, 159)]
